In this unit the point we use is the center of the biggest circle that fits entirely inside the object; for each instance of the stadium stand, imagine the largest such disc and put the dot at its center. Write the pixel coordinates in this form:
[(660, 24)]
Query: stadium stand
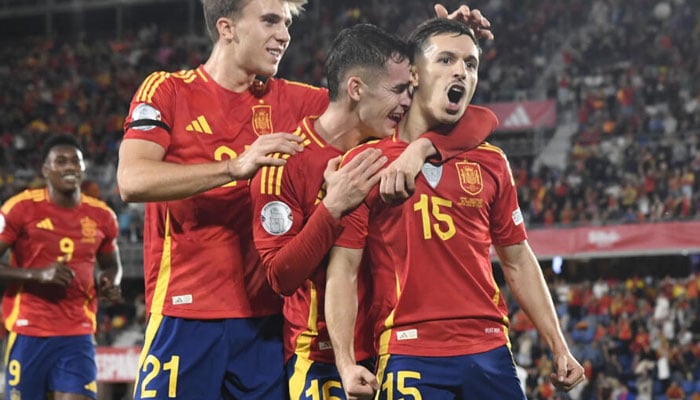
[(625, 150)]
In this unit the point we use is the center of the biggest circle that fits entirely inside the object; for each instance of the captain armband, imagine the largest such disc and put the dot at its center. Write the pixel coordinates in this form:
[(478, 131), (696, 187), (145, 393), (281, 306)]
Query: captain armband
[(146, 117), (146, 124)]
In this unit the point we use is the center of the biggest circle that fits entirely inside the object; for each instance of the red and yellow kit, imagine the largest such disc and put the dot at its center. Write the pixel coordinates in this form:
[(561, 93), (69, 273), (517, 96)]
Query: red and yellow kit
[(199, 257), (431, 255), (40, 233), (284, 199)]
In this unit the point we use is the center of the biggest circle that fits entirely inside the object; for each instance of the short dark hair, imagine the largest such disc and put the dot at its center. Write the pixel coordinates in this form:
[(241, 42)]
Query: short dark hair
[(360, 46), (59, 140), (419, 37)]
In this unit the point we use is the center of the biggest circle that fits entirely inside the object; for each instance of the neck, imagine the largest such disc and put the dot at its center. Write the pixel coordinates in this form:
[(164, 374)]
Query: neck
[(413, 125), (226, 72), (333, 125), (64, 199)]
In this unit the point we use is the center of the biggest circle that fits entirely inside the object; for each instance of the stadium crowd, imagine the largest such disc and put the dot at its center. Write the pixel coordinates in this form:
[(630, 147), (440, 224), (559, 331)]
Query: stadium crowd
[(628, 71), (630, 77), (637, 338)]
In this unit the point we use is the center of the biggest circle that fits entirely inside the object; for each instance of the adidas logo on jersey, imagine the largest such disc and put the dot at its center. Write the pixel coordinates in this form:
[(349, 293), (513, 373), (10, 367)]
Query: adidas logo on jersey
[(45, 224), (199, 125), (407, 334), (184, 299)]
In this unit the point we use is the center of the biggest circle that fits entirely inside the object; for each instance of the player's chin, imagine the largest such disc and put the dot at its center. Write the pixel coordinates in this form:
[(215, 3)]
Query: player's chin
[(268, 70), (67, 188), (452, 112), (450, 117), (390, 125)]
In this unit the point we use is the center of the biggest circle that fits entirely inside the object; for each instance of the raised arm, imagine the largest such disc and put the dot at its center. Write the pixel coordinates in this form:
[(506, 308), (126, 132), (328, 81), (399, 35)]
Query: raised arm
[(341, 314), (525, 279), (473, 18)]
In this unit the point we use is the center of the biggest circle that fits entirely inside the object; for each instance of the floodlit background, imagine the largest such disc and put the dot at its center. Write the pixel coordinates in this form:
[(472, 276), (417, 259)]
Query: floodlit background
[(598, 105)]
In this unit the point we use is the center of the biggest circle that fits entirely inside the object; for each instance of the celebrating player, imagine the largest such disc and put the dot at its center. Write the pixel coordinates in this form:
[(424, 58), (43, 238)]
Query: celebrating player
[(55, 235)]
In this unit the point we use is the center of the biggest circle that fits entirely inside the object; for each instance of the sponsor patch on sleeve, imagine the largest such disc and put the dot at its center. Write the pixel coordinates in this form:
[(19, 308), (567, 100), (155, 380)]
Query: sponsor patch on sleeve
[(276, 218), (144, 112), (2, 223), (517, 217)]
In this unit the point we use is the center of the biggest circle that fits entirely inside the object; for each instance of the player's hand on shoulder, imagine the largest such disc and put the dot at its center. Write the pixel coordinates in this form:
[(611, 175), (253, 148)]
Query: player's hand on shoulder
[(472, 18), (347, 186), (57, 273), (359, 383), (567, 372), (262, 152), (398, 180)]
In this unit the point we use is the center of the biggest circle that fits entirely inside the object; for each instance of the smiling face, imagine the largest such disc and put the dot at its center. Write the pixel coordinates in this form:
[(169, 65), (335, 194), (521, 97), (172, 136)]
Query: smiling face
[(445, 77), (63, 169), (384, 99), (262, 34)]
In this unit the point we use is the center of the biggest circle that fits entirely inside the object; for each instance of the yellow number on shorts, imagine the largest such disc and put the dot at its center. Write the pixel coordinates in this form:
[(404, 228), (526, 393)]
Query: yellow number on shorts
[(433, 208), (67, 248), (327, 387), (401, 384), (325, 392), (219, 154), (171, 366), (388, 385), (15, 371)]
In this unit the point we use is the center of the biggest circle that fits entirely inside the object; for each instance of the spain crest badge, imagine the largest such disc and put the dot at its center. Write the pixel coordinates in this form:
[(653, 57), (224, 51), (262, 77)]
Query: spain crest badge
[(470, 177)]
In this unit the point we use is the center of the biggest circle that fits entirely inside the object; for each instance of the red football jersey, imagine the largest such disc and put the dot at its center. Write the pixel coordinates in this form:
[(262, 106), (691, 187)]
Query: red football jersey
[(40, 233), (430, 255), (283, 200), (199, 257)]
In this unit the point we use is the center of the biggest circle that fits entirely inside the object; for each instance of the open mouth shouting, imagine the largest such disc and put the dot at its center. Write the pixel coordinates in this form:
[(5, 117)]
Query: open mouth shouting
[(455, 94)]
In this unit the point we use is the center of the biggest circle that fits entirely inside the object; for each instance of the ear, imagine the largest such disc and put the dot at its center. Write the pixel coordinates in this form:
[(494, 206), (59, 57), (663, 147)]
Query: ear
[(354, 87), (413, 80), (45, 171), (226, 28)]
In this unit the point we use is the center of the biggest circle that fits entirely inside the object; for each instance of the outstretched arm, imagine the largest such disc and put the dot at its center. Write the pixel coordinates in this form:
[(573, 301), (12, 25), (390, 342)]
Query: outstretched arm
[(341, 314), (525, 279), (143, 175)]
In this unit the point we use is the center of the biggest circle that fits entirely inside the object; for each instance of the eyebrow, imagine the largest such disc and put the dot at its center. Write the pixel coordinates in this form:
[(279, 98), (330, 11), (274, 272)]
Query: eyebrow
[(452, 54), (400, 87), (276, 18), (443, 53), (472, 59)]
